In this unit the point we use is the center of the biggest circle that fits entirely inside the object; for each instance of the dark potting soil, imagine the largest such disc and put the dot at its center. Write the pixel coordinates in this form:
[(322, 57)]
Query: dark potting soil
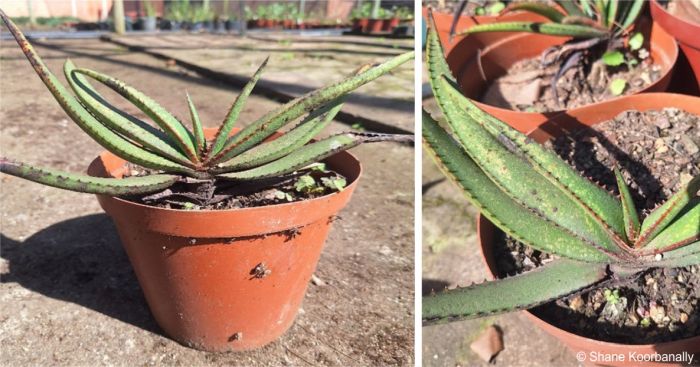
[(235, 195), (661, 304), (527, 85)]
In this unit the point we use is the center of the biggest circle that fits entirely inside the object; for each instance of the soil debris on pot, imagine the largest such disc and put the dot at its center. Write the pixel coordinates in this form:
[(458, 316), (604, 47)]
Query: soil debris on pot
[(307, 183), (661, 304), (527, 85)]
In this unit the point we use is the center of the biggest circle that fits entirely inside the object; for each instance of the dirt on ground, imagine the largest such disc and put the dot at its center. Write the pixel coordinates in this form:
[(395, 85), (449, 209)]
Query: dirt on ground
[(68, 293)]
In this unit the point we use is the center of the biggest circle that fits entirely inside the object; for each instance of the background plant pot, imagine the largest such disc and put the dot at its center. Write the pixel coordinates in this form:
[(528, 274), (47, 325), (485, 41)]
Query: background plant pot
[(148, 23), (498, 54), (443, 21), (196, 267), (577, 118), (374, 25), (360, 25), (388, 25), (685, 32)]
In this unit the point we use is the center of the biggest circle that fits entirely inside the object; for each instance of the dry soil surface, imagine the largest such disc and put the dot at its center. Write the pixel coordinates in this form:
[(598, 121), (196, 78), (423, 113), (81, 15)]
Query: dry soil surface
[(68, 295)]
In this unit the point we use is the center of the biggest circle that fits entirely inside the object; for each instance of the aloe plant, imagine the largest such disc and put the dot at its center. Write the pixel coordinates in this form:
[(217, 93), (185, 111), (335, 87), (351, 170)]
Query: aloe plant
[(537, 198), (178, 154)]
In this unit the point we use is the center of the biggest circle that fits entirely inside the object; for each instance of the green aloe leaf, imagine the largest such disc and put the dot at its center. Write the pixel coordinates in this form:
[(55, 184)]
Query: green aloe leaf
[(632, 14), (628, 208), (683, 256), (311, 153), (120, 121), (508, 170), (88, 184), (555, 280), (612, 13), (175, 129), (200, 141), (683, 230), (515, 220), (542, 9), (604, 207), (101, 134), (570, 7), (287, 143), (552, 29), (665, 214), (236, 108), (274, 120)]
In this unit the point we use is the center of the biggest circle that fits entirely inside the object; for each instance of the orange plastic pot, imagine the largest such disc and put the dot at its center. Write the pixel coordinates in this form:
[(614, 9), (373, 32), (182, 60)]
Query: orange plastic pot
[(577, 118), (197, 268), (388, 25), (360, 25), (499, 54), (374, 25), (684, 31)]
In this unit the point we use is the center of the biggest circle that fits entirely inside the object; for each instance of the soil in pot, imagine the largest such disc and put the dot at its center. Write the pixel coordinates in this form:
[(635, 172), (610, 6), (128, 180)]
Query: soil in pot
[(659, 149), (527, 85), (222, 195)]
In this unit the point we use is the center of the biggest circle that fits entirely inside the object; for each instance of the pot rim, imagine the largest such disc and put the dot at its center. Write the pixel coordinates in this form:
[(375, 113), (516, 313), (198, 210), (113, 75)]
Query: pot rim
[(655, 27), (682, 21), (482, 222), (340, 155)]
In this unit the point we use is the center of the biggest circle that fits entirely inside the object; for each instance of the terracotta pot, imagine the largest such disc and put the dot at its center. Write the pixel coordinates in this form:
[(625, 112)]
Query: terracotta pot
[(360, 25), (288, 23), (685, 32), (197, 268), (388, 25), (497, 55), (374, 25), (577, 118), (443, 21)]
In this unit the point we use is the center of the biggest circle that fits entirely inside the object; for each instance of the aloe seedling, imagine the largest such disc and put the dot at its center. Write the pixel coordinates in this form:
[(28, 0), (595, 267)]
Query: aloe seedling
[(179, 154), (537, 198)]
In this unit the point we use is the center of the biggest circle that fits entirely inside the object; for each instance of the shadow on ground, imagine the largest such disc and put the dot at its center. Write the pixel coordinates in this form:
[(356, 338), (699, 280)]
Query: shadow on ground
[(80, 260)]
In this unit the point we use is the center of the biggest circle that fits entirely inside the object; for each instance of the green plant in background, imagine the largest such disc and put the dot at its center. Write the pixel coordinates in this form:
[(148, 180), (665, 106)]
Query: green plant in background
[(179, 11), (199, 14), (149, 9), (537, 198), (277, 11), (364, 11), (592, 24), (180, 155), (403, 12)]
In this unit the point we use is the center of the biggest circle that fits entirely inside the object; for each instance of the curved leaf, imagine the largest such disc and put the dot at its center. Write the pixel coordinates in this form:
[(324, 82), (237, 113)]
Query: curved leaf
[(88, 184), (552, 29), (287, 143), (160, 115), (236, 108), (662, 216), (555, 280), (200, 142), (274, 120), (311, 153), (515, 220), (629, 210), (101, 134), (682, 231), (118, 120), (508, 169)]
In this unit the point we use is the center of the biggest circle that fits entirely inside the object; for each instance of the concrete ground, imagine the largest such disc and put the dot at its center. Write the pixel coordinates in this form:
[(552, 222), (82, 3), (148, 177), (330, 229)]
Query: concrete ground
[(68, 295)]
